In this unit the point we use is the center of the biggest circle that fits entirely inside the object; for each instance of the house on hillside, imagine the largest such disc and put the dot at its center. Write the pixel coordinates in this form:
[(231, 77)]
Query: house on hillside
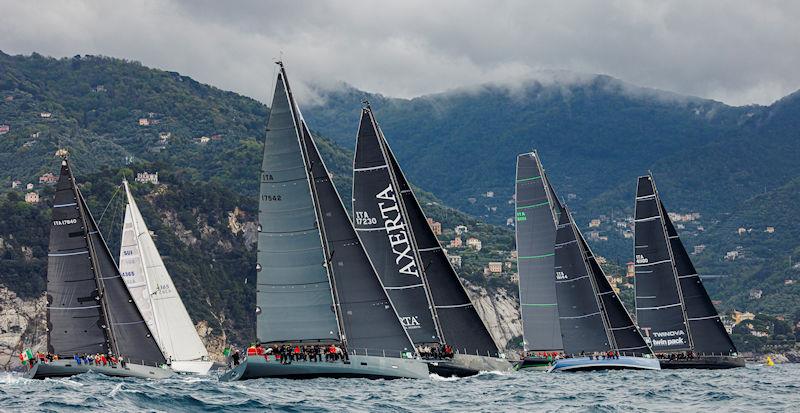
[(755, 294), (32, 198), (630, 270), (770, 230), (45, 115), (4, 129), (460, 229), (29, 186), (48, 179), (455, 260), (147, 177), (16, 183), (474, 243), (495, 267), (144, 122), (456, 242), (595, 223), (436, 227)]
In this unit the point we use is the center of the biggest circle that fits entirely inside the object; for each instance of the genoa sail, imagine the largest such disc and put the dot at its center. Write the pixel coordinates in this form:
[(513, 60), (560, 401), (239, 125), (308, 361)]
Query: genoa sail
[(536, 237), (380, 218), (124, 329), (706, 331), (659, 307), (293, 295), (153, 291), (460, 324)]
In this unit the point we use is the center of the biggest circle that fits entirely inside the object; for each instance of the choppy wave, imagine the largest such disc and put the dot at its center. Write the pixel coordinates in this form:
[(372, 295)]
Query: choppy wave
[(755, 388)]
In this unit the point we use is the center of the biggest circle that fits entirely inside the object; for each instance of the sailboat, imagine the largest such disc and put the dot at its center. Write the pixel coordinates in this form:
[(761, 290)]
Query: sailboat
[(673, 309), (592, 318), (315, 283), (536, 238), (89, 309), (155, 295), (433, 305)]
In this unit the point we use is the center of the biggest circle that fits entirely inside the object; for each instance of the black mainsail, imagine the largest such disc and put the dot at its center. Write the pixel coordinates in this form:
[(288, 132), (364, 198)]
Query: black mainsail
[(659, 307), (293, 292), (706, 333), (460, 324), (536, 236), (591, 315), (380, 218), (89, 307), (323, 278)]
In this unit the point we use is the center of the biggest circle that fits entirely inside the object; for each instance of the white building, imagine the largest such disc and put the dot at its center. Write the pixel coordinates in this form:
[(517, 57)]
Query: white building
[(146, 177)]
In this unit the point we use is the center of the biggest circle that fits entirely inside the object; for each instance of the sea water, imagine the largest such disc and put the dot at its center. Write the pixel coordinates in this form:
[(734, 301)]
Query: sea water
[(750, 389)]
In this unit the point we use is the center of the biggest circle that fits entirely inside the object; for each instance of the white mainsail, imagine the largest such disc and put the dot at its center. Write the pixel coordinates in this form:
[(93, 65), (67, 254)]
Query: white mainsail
[(154, 293)]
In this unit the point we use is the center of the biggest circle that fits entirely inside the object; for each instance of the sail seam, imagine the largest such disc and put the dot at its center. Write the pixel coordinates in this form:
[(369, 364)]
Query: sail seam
[(65, 205), (529, 179), (704, 318), (645, 197), (73, 308), (537, 256), (429, 249), (653, 218)]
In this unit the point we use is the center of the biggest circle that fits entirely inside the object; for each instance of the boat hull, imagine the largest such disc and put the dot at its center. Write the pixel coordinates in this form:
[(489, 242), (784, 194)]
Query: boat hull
[(370, 367), (703, 362), (621, 363), (464, 365), (198, 367), (533, 363), (67, 368)]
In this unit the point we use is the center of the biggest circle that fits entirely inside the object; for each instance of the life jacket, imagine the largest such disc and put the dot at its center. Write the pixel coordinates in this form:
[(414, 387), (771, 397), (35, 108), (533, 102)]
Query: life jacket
[(251, 351), (297, 350)]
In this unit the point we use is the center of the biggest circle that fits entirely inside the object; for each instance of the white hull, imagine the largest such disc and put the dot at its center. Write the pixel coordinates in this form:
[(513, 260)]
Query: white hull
[(198, 367)]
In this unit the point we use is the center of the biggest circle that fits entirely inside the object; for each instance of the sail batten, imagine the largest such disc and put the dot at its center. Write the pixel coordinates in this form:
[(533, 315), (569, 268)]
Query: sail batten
[(536, 243)]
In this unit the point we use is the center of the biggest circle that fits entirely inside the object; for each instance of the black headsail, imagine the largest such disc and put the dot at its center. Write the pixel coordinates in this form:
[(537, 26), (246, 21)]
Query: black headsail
[(294, 291), (367, 321), (592, 316), (536, 237), (460, 324), (86, 292), (706, 330), (380, 218), (659, 306)]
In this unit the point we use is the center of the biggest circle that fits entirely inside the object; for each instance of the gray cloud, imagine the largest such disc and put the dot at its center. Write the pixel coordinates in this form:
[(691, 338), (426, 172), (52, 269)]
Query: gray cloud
[(737, 52)]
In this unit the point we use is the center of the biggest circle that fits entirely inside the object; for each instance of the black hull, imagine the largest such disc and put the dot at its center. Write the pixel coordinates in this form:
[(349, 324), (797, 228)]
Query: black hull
[(707, 363)]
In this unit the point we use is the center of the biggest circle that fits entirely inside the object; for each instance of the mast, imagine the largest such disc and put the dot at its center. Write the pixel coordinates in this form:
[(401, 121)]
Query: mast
[(317, 211)]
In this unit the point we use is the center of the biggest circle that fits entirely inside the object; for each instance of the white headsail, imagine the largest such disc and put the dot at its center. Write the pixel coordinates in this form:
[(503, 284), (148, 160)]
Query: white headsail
[(154, 293)]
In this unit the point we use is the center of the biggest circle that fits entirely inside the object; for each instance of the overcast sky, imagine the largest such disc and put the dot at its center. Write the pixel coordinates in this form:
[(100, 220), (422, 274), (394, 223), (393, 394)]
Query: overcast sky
[(737, 52)]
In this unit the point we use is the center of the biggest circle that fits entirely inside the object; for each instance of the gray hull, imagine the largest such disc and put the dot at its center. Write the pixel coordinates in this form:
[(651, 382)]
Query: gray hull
[(67, 368), (370, 367), (463, 365), (703, 362)]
